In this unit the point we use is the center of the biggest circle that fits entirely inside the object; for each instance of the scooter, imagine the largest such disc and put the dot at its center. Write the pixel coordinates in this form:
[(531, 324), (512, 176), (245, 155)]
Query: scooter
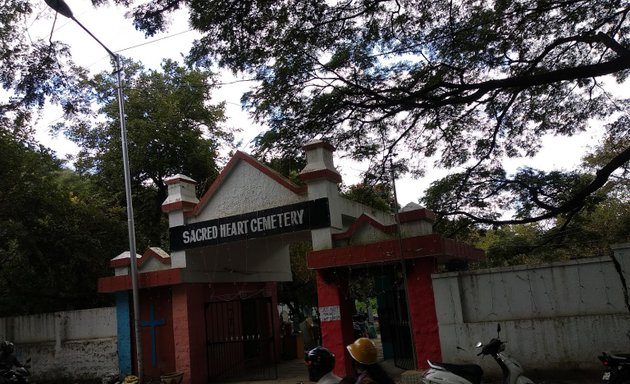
[(617, 368), (444, 373)]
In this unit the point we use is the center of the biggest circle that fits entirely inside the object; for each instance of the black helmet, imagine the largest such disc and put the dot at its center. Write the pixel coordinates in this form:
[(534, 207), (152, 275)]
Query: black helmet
[(319, 361), (7, 347)]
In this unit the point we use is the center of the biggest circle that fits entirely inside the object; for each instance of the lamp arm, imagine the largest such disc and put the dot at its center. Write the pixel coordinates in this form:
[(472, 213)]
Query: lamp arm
[(112, 54)]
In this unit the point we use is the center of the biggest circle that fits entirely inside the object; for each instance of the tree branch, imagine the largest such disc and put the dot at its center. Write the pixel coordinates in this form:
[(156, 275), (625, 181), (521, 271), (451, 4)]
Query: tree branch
[(574, 204)]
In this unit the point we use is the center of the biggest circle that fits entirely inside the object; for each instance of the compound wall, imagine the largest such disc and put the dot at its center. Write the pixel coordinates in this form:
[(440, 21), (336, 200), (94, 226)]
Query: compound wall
[(555, 316), (66, 345)]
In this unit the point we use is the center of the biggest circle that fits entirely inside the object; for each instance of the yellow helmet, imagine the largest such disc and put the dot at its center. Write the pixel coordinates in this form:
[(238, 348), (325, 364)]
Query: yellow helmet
[(363, 350), (131, 379)]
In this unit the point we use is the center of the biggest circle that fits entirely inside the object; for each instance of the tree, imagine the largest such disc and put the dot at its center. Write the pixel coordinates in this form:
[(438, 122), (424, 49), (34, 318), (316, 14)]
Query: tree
[(56, 234), (171, 128), (467, 83), (377, 196), (603, 221), (33, 72)]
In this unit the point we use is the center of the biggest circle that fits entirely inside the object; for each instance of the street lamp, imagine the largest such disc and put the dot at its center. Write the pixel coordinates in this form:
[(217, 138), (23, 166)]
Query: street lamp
[(61, 7)]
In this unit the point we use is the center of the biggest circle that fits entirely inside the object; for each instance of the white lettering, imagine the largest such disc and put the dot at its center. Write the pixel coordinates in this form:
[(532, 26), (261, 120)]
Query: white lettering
[(283, 220), (271, 222), (212, 232), (242, 227), (274, 221), (230, 229), (300, 217)]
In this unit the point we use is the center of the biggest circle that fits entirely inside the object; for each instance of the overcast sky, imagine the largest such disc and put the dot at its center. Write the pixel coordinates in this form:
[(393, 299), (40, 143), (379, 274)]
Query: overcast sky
[(111, 27)]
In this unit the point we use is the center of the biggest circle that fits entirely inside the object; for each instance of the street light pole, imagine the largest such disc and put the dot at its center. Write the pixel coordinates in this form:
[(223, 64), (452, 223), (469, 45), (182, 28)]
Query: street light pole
[(61, 7)]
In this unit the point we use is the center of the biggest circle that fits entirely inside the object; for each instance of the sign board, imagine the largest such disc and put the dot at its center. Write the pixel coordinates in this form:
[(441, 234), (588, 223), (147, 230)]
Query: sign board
[(311, 214), (330, 313)]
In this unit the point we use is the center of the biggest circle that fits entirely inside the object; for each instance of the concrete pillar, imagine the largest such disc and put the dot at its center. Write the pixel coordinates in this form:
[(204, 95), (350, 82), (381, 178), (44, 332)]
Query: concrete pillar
[(322, 180), (415, 220), (181, 198), (335, 305), (123, 326)]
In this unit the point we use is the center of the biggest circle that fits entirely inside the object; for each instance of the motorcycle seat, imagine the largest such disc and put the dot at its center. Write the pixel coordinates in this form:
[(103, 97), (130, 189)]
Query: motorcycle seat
[(470, 372)]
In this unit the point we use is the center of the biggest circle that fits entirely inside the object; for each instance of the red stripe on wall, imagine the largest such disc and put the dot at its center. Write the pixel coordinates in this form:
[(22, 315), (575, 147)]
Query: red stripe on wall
[(145, 280)]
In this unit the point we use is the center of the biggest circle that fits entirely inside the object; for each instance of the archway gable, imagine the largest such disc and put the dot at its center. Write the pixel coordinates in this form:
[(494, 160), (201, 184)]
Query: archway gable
[(240, 159), (361, 222), (160, 259)]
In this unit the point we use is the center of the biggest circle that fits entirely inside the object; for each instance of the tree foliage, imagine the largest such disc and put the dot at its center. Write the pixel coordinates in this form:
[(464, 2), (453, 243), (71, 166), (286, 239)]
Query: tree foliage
[(171, 129), (33, 72), (589, 234), (377, 196), (57, 234), (467, 83), (604, 220)]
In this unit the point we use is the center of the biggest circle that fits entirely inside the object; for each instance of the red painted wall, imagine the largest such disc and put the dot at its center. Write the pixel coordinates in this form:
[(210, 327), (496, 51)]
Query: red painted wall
[(422, 310), (189, 332), (336, 334), (160, 300)]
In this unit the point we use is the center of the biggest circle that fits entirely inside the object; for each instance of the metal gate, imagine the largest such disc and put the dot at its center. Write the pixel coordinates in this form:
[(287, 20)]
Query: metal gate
[(240, 340), (400, 328)]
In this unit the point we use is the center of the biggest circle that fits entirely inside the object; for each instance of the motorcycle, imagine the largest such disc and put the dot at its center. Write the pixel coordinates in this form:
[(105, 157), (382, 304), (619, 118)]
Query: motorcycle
[(17, 375), (445, 373), (617, 368)]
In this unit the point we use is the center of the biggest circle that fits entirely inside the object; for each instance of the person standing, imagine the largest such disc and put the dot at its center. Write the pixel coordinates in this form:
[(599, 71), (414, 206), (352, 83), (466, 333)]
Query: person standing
[(320, 363)]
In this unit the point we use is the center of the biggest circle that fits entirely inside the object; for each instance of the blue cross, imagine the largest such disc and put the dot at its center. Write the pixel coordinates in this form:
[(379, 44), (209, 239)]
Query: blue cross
[(152, 323)]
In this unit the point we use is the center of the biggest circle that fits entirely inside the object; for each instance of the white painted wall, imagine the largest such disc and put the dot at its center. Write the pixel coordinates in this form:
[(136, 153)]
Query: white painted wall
[(560, 315), (68, 345), (245, 189)]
